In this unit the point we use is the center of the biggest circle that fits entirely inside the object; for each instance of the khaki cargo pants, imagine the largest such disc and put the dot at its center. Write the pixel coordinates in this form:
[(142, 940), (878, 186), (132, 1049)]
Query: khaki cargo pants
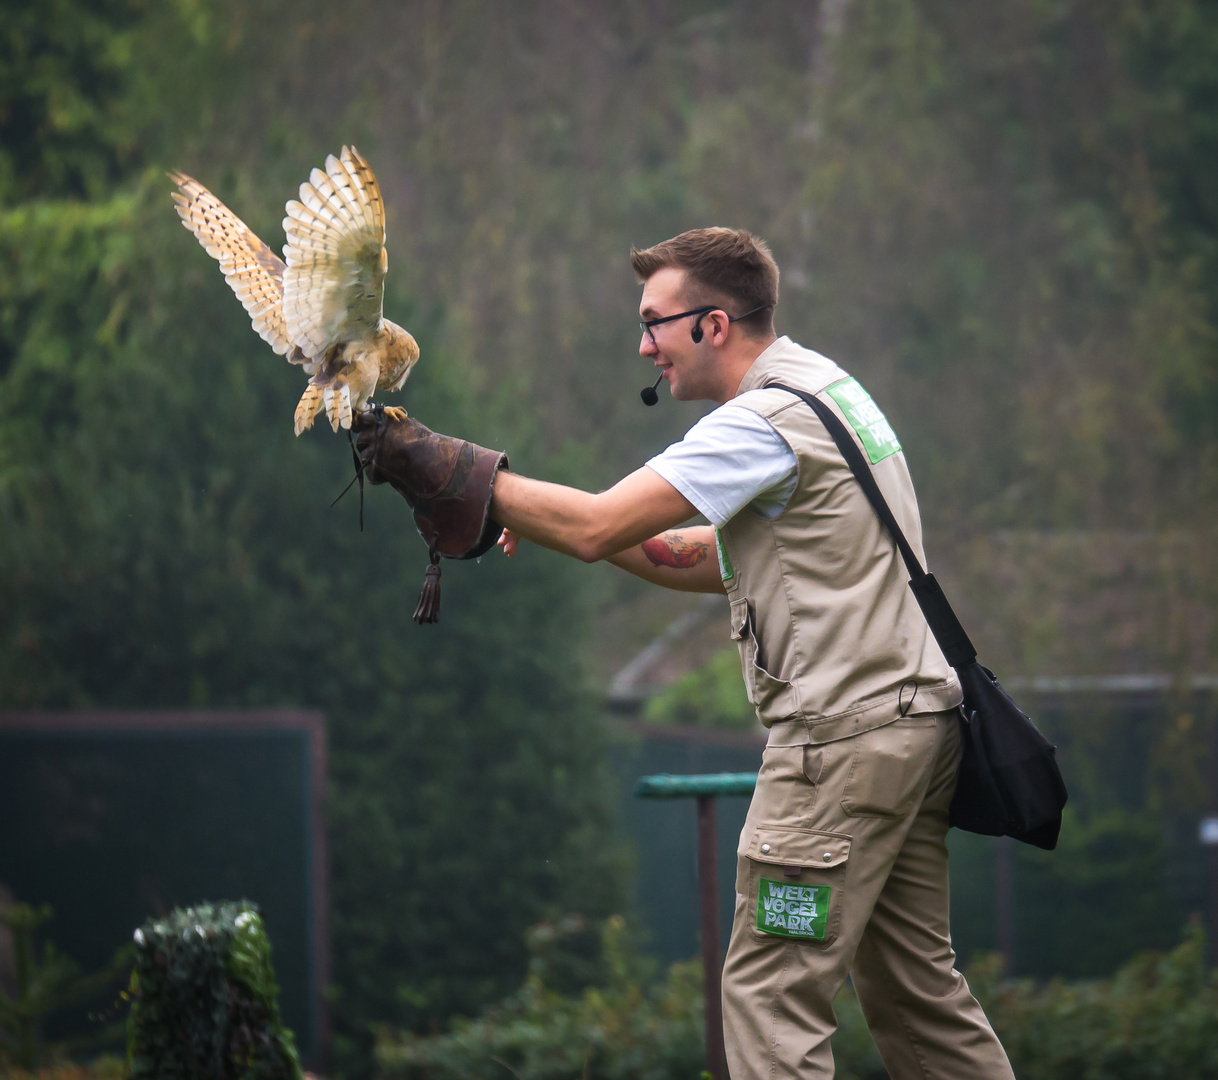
[(842, 869)]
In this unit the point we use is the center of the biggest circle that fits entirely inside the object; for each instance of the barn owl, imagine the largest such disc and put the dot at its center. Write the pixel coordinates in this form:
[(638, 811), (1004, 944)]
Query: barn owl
[(323, 309)]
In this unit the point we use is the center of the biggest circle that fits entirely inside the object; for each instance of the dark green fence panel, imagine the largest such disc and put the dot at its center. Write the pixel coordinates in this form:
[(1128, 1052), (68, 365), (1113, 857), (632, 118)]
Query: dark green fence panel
[(115, 817), (664, 830)]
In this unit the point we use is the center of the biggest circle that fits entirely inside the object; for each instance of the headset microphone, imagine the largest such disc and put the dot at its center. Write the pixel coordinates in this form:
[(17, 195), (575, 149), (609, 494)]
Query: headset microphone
[(648, 393)]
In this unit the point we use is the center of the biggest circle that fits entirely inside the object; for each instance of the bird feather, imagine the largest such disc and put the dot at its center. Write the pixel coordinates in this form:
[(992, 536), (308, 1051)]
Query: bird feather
[(253, 271), (333, 286)]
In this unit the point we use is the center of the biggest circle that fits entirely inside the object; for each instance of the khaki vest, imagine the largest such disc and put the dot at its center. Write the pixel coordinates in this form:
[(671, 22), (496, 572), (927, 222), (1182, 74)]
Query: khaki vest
[(830, 635)]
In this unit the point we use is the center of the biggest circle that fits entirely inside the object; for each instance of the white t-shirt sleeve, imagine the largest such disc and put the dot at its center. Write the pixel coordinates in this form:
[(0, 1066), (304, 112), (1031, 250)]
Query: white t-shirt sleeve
[(730, 459)]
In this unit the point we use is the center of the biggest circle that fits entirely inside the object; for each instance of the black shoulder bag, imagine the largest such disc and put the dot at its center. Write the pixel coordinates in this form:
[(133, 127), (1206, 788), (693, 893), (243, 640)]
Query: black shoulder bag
[(1009, 783)]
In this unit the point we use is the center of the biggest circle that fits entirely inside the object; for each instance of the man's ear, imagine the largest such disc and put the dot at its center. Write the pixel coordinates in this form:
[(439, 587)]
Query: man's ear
[(719, 326)]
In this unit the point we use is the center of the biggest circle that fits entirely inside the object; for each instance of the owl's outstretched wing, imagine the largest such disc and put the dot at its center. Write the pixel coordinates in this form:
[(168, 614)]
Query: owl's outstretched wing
[(253, 271), (334, 283)]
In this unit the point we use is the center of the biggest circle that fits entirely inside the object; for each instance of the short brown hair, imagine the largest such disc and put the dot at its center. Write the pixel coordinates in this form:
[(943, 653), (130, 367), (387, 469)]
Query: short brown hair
[(730, 267)]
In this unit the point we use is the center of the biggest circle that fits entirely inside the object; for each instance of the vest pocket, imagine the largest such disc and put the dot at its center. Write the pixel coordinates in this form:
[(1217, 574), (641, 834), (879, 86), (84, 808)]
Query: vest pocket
[(794, 883), (774, 698)]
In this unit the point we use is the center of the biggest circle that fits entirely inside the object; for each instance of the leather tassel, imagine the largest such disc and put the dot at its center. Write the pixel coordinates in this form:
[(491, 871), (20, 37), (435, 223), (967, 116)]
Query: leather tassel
[(428, 610)]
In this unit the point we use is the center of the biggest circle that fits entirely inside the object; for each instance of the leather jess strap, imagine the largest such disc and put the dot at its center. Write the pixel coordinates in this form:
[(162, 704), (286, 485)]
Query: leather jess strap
[(951, 636)]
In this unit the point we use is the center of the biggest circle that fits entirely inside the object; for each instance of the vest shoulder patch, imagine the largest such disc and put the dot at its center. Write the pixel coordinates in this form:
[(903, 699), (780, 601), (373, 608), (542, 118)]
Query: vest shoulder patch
[(872, 427)]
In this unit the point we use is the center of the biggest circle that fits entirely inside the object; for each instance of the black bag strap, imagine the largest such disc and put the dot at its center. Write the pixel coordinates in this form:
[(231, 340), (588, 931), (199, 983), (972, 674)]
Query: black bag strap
[(950, 635)]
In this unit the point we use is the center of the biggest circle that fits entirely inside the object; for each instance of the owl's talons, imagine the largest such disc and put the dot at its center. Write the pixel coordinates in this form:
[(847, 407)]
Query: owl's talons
[(394, 413)]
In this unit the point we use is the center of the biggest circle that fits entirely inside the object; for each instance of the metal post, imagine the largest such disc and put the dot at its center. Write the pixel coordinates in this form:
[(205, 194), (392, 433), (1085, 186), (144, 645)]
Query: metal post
[(1004, 899), (705, 788), (1211, 777), (1213, 927), (708, 890)]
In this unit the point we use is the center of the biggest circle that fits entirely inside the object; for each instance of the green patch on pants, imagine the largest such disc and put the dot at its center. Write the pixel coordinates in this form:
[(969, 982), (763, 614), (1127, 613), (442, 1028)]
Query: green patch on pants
[(798, 911)]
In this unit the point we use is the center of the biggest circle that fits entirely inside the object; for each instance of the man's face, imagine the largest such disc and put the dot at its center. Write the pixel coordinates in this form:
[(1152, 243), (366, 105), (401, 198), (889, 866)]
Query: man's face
[(690, 369)]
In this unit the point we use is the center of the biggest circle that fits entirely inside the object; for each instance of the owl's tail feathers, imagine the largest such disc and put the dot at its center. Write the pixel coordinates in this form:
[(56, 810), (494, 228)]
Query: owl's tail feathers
[(335, 399), (310, 404), (338, 405)]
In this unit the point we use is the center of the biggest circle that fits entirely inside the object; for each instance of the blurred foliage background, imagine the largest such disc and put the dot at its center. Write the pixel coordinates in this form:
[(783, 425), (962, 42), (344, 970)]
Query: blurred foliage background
[(1002, 217)]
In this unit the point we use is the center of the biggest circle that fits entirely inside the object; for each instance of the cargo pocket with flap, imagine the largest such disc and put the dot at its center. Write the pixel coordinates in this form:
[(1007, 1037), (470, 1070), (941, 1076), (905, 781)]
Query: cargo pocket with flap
[(773, 697), (795, 883)]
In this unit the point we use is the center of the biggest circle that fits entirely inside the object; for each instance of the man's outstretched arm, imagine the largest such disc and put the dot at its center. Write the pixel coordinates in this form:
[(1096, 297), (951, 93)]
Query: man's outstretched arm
[(620, 525), (587, 526)]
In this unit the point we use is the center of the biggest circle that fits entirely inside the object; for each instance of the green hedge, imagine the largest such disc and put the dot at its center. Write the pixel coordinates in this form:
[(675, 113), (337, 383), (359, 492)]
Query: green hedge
[(1157, 1017), (623, 1028), (204, 1002)]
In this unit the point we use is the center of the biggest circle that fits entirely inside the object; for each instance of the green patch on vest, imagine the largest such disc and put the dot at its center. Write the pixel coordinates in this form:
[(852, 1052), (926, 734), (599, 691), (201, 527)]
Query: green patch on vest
[(725, 564), (798, 911), (878, 438)]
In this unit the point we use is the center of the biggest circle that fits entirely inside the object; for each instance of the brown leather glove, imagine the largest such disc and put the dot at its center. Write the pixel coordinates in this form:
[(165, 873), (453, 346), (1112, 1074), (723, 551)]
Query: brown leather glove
[(447, 482)]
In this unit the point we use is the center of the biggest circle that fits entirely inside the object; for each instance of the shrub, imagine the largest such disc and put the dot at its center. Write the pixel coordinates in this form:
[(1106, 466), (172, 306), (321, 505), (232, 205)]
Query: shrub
[(104, 1067), (204, 1000), (618, 1029), (1156, 1017), (712, 695), (614, 1031), (46, 983)]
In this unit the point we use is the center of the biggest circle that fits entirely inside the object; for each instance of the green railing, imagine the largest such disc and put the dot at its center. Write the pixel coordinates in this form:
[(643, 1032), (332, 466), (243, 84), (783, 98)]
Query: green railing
[(667, 786)]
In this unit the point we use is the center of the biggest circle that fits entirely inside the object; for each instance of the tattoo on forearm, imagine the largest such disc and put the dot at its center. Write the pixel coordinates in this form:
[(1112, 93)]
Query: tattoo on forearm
[(672, 549)]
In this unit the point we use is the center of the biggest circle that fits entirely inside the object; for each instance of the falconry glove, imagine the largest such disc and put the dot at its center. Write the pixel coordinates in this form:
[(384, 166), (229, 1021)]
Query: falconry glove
[(448, 483)]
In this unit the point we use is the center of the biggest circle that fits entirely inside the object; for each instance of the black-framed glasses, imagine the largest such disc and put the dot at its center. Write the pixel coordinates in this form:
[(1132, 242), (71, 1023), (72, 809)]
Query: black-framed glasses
[(646, 326)]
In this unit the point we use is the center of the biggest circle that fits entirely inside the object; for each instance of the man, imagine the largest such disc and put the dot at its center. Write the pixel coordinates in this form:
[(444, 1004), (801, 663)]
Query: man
[(842, 863)]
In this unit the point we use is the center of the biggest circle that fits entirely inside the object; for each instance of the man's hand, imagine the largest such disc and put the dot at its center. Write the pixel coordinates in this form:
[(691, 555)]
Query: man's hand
[(509, 541)]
